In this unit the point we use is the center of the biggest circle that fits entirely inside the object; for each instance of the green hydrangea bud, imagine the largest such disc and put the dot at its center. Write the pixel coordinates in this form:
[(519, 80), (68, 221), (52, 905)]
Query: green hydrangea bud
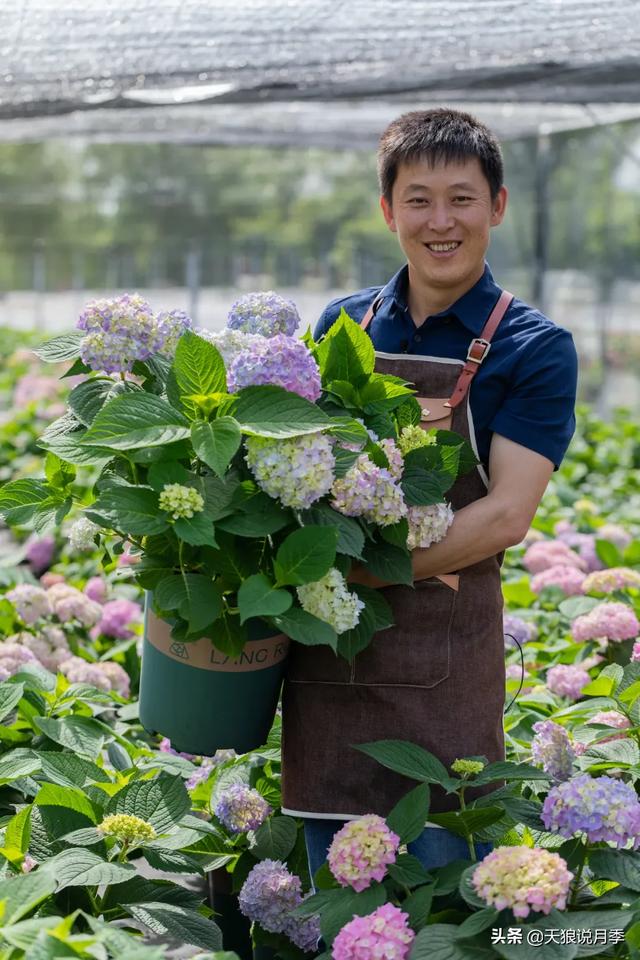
[(180, 501), (467, 767), (413, 437), (127, 828)]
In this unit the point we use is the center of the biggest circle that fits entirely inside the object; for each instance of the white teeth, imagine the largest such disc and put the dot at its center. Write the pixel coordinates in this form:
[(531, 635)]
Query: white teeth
[(443, 247)]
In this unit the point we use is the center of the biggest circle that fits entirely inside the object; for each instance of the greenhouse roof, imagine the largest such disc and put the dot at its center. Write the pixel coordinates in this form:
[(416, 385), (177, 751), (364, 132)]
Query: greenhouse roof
[(313, 72)]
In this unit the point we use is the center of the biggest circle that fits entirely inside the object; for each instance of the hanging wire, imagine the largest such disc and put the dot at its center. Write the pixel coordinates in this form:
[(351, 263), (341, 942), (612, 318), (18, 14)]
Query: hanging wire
[(519, 690)]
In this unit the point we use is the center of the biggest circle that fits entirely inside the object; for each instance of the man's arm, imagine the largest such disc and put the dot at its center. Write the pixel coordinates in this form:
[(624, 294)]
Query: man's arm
[(519, 477)]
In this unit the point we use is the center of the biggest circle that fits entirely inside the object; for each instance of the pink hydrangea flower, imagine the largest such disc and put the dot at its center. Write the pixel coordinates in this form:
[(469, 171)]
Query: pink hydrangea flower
[(31, 602), (13, 656), (77, 670), (550, 553), (40, 553), (523, 879), (71, 604), (383, 934), (611, 718), (567, 680), (361, 851), (615, 534), (568, 578), (49, 578), (607, 621), (615, 578), (97, 589), (49, 645), (117, 618), (117, 676)]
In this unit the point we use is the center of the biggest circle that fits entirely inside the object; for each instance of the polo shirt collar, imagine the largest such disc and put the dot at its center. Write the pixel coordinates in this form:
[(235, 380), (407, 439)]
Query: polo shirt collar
[(472, 309)]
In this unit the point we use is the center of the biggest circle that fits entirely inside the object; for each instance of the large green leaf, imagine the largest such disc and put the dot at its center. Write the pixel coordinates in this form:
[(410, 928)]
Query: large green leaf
[(141, 420), (198, 369), (623, 866), (20, 499), (138, 889), (216, 443), (162, 802), (463, 822), (350, 533), (172, 861), (306, 555), (346, 353), (506, 770), (82, 735), (22, 893), (270, 411), (418, 906), (258, 516), (408, 759), (195, 596), (423, 487), (388, 562), (88, 398), (258, 597), (71, 798), (304, 628), (10, 696), (17, 764), (130, 509), (68, 770), (438, 941), (79, 867), (409, 815), (196, 530), (408, 871), (351, 642), (18, 830), (63, 437), (66, 346), (185, 925), (275, 839), (342, 905)]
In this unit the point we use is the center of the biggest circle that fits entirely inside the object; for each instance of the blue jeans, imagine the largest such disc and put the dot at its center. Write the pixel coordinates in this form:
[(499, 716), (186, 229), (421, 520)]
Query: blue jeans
[(434, 847)]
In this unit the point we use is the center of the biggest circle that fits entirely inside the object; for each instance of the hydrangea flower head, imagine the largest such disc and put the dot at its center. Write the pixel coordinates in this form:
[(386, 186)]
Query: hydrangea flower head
[(550, 553), (384, 934), (567, 680), (119, 331), (171, 325), (269, 893), (71, 604), (82, 535), (369, 491), (615, 578), (523, 879), (180, 501), (127, 828), (361, 851), (303, 931), (96, 588), (40, 553), (280, 360), (607, 621), (329, 599), (467, 768), (413, 437), (77, 670), (551, 749), (117, 676), (266, 314), (13, 656), (522, 630), (600, 809), (615, 534), (394, 456), (297, 471), (241, 808), (49, 645), (429, 524), (568, 578), (117, 618), (228, 343), (611, 718), (31, 602)]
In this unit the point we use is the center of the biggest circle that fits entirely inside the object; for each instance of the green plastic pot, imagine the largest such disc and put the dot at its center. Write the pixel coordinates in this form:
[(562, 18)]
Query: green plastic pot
[(203, 700)]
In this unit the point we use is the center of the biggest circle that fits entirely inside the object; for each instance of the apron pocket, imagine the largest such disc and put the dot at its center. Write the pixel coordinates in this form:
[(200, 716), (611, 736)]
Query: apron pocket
[(416, 651)]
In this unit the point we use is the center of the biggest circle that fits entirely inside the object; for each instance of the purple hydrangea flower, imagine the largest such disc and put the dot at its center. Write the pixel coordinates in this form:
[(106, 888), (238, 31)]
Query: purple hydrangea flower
[(551, 749), (171, 325), (523, 631), (602, 809), (280, 360), (269, 893), (567, 680), (119, 331), (117, 618), (267, 314), (96, 588), (40, 554), (241, 808), (369, 491)]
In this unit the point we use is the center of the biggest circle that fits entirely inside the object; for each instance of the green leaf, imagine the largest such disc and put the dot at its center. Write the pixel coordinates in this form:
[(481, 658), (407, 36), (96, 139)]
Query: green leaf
[(196, 598), (464, 822), (257, 597), (422, 487), (80, 867), (130, 509), (410, 814), (418, 906), (216, 443), (346, 429), (172, 861), (196, 530), (10, 696), (140, 890), (506, 770), (18, 830), (82, 735), (88, 398), (619, 752), (86, 837), (186, 926), (396, 533), (574, 607), (408, 871), (350, 533), (351, 642), (406, 758), (66, 346), (169, 471), (259, 516), (304, 628), (64, 437), (346, 353), (623, 866), (72, 798), (306, 555), (270, 411), (68, 770), (609, 553), (376, 603), (162, 802), (342, 905), (518, 593), (22, 893), (58, 473), (275, 839), (141, 420), (389, 563), (477, 922), (198, 369), (631, 555), (438, 941), (20, 499)]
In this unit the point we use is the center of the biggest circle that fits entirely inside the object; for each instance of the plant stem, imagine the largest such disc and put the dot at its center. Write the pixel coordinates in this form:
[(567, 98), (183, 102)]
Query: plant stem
[(468, 836), (577, 879)]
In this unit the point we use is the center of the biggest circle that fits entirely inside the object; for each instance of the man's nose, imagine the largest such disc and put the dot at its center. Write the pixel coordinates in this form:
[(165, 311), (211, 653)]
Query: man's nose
[(440, 216)]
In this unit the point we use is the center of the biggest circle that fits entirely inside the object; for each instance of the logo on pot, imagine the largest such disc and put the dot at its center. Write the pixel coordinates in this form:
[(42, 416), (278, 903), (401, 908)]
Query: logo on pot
[(179, 650)]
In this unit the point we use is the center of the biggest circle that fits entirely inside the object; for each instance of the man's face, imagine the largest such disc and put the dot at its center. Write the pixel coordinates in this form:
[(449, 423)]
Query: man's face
[(443, 216)]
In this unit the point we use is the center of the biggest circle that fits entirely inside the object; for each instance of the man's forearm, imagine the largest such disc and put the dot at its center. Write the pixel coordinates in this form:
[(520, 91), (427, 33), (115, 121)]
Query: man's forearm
[(479, 530)]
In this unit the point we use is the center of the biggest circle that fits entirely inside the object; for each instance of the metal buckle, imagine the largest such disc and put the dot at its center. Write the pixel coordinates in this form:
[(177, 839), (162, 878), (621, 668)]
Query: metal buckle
[(483, 343)]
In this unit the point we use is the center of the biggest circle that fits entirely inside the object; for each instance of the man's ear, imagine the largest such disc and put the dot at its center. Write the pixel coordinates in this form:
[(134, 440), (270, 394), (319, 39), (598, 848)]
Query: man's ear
[(499, 207), (387, 212)]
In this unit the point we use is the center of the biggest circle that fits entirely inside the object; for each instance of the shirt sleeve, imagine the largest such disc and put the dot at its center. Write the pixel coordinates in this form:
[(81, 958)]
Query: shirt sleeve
[(328, 317), (538, 411)]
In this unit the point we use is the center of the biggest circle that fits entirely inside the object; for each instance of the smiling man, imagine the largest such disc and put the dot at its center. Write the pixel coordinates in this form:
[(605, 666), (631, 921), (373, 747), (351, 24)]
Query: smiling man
[(497, 371)]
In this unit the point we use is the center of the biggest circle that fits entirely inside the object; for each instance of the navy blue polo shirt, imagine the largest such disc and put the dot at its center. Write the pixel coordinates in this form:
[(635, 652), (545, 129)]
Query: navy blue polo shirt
[(525, 389)]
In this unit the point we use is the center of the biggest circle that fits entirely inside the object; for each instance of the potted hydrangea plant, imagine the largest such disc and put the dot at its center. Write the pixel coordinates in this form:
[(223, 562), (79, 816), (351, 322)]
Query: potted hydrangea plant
[(247, 470)]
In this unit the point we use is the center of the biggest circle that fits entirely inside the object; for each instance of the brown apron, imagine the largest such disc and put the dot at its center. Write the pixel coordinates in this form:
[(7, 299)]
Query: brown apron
[(436, 678)]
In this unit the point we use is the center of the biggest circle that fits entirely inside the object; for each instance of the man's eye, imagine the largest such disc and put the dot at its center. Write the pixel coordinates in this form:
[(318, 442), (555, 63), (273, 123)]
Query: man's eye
[(417, 200), (462, 199)]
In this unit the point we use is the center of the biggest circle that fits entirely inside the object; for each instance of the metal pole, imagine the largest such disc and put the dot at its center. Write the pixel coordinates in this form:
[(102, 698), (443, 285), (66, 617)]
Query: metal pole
[(193, 264), (541, 220)]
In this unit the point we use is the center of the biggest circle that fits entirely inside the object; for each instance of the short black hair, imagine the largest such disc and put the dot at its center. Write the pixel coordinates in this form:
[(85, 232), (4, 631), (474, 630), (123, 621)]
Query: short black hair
[(440, 135)]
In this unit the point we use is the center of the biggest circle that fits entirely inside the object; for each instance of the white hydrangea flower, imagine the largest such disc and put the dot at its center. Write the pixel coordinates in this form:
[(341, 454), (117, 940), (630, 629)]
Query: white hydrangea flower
[(329, 599), (81, 535), (297, 472), (229, 343), (428, 525), (180, 501)]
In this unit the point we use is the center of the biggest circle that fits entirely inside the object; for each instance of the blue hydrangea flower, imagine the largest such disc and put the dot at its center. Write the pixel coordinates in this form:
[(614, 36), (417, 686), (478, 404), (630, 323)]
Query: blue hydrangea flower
[(599, 808), (266, 314)]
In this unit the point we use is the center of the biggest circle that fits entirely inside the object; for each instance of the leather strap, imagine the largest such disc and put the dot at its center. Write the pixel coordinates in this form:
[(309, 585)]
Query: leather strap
[(370, 314), (478, 350)]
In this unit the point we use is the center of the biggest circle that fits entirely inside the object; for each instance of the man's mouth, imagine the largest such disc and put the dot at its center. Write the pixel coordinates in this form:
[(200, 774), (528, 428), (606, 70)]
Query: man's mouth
[(443, 247)]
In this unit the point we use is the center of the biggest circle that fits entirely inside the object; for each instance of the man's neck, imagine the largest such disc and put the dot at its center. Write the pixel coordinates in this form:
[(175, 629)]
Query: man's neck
[(425, 301)]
